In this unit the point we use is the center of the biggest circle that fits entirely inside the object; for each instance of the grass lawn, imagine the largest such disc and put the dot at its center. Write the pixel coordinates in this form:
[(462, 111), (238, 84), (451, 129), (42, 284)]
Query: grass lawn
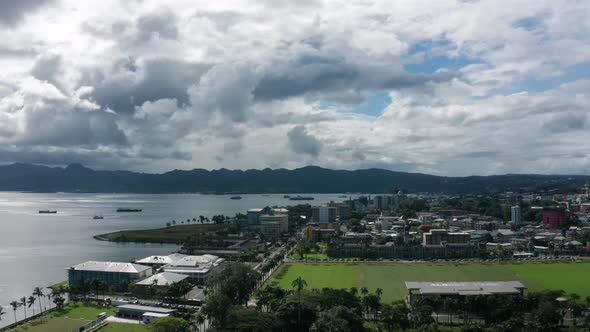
[(118, 327), (571, 277), (83, 311), (173, 234), (52, 324)]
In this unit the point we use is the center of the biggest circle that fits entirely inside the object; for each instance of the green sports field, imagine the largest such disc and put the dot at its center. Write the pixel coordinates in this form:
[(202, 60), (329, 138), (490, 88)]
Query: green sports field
[(570, 277)]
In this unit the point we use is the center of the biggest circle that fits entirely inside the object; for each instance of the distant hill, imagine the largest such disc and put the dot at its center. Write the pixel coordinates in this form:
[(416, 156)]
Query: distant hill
[(311, 179)]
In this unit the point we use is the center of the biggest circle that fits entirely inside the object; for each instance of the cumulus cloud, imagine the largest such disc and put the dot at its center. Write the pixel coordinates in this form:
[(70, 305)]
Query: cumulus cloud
[(475, 87), (301, 141), (12, 12)]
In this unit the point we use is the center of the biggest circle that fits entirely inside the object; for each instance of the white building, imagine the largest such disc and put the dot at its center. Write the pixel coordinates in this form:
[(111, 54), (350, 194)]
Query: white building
[(516, 215), (196, 267)]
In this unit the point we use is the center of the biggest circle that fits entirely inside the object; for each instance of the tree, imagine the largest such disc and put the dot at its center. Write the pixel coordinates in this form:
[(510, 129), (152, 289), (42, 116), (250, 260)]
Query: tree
[(23, 303), (2, 313), (299, 284), (249, 320), (235, 280), (201, 320), (338, 318), (395, 316), (14, 305), (217, 308), (379, 292), (31, 302), (169, 324), (354, 291), (38, 292), (295, 316)]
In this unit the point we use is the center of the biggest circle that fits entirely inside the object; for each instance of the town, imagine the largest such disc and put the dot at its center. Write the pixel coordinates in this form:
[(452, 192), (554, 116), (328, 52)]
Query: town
[(428, 258)]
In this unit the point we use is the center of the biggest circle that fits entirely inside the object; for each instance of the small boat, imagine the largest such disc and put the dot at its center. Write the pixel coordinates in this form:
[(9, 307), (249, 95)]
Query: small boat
[(342, 196), (128, 210), (47, 211), (302, 198), (98, 217), (236, 197), (286, 196)]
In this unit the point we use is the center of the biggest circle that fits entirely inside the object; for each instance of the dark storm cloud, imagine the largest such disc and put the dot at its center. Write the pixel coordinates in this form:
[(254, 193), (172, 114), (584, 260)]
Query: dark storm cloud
[(480, 154), (76, 128), (300, 141), (158, 25), (93, 158), (566, 122), (155, 79), (13, 11), (48, 69), (320, 74)]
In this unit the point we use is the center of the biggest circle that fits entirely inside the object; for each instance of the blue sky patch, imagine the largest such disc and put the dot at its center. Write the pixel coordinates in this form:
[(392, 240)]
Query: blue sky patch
[(374, 104)]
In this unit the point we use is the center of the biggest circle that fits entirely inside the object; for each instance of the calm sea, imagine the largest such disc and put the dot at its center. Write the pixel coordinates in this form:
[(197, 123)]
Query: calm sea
[(35, 249)]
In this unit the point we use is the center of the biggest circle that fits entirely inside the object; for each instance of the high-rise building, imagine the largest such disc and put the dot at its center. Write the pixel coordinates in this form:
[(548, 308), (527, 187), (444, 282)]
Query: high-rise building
[(516, 218), (553, 217), (323, 214)]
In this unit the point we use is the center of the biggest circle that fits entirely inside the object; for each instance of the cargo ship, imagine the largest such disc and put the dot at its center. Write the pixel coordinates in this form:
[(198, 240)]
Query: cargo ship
[(128, 210), (301, 198)]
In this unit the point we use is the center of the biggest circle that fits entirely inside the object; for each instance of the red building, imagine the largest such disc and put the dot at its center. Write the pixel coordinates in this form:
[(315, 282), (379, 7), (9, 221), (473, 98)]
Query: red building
[(553, 217)]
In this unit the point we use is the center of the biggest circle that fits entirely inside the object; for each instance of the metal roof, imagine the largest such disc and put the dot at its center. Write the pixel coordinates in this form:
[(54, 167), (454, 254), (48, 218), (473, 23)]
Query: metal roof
[(466, 287), (144, 309), (113, 267), (172, 258), (163, 279)]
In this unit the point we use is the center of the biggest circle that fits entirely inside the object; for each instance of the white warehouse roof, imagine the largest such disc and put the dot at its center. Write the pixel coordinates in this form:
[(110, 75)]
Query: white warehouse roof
[(113, 267)]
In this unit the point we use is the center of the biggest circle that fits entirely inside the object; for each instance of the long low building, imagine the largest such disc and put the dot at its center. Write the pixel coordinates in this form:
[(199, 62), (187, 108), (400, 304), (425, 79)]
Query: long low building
[(113, 274), (418, 289), (196, 267), (139, 312)]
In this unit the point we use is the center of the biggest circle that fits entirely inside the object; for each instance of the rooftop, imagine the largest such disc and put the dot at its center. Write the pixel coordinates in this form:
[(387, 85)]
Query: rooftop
[(466, 287), (114, 267), (163, 279), (161, 259), (144, 309)]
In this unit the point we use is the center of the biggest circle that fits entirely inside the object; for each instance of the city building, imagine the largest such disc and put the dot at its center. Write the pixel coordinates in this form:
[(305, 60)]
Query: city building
[(442, 237), (281, 219), (196, 267), (254, 214), (418, 290), (516, 217), (382, 202), (161, 281), (323, 214), (315, 233), (113, 274), (269, 230), (137, 312), (160, 260), (554, 217)]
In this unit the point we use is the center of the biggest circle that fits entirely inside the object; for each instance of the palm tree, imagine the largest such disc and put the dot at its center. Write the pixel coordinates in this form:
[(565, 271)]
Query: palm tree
[(23, 302), (30, 301), (14, 305), (354, 291), (299, 284), (201, 320), (48, 296), (364, 291), (38, 292), (379, 292)]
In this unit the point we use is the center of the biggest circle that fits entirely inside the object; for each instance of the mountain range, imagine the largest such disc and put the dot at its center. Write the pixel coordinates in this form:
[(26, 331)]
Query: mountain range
[(310, 179)]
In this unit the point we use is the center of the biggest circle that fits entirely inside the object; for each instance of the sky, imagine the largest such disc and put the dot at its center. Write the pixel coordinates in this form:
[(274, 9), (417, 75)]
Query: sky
[(441, 87)]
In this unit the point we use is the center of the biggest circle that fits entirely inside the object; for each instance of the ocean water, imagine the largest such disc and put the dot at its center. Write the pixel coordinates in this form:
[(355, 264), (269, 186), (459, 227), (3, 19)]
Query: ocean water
[(36, 249)]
